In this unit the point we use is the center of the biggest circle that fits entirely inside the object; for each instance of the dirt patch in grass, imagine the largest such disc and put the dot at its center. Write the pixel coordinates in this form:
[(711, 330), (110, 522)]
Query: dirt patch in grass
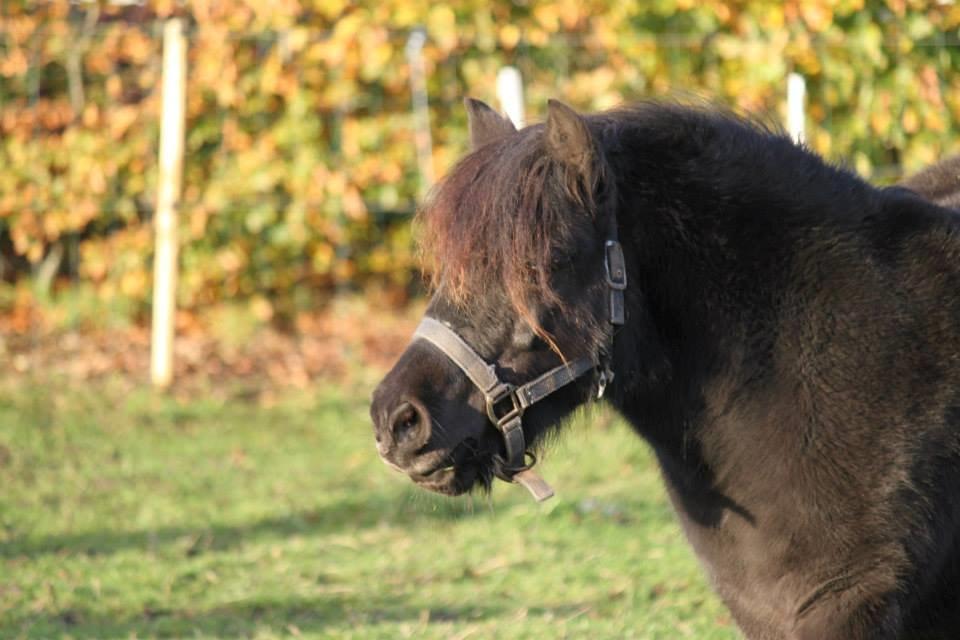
[(226, 350)]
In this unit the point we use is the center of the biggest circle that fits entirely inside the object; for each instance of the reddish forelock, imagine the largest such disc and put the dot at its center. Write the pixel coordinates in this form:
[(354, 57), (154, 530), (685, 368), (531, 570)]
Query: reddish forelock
[(493, 221)]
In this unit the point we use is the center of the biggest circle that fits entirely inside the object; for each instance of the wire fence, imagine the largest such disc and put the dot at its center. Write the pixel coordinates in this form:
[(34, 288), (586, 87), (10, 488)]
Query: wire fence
[(136, 81), (302, 170)]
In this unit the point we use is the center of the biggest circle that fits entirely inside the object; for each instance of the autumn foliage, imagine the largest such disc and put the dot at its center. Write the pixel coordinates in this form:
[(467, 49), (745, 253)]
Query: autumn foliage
[(301, 173)]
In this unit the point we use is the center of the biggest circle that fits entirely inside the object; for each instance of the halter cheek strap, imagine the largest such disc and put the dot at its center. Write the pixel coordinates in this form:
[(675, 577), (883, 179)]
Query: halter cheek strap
[(506, 403)]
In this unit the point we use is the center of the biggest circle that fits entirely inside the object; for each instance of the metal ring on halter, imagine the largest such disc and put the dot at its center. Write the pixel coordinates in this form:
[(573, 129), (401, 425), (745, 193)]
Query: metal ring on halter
[(505, 472)]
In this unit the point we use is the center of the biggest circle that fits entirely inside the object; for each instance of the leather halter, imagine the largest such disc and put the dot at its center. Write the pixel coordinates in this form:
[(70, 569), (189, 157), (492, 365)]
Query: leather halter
[(507, 403)]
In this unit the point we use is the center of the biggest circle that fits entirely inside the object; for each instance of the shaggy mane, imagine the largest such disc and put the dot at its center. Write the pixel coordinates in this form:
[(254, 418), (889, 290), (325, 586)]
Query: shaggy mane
[(497, 220)]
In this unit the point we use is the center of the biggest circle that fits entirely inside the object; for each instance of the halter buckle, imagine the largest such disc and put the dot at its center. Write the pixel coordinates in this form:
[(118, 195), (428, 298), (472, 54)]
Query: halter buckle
[(496, 397), (615, 265)]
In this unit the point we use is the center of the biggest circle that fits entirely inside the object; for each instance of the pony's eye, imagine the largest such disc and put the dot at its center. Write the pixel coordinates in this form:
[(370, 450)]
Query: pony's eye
[(560, 260), (524, 338), (557, 262)]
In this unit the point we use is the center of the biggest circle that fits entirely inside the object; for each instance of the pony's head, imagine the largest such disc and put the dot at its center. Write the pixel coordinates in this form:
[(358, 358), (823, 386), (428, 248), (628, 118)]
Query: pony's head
[(516, 238)]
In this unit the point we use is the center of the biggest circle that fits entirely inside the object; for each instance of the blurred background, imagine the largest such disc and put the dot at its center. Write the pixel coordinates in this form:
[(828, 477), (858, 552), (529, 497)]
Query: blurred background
[(311, 130)]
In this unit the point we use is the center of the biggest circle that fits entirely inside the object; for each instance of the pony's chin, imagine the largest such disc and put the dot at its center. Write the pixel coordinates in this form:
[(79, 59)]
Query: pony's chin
[(456, 480)]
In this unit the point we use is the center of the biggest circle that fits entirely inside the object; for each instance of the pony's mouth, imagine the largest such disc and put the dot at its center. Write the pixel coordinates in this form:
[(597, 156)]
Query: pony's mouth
[(458, 472)]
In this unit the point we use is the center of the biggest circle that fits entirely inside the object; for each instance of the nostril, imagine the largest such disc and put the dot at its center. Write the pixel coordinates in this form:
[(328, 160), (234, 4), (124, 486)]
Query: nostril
[(404, 422)]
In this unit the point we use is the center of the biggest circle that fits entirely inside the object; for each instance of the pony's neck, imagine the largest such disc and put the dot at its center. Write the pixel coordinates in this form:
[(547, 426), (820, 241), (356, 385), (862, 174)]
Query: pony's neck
[(711, 213)]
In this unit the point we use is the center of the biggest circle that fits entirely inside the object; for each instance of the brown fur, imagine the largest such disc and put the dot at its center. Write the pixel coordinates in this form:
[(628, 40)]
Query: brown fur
[(939, 183), (791, 353)]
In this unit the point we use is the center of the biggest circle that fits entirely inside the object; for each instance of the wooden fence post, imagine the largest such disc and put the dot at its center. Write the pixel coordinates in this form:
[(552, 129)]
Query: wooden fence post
[(168, 196), (510, 94), (421, 108), (796, 96)]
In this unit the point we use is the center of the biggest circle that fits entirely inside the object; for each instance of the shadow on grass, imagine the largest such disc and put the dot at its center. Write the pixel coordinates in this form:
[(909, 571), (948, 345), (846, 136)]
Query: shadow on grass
[(347, 515), (245, 618)]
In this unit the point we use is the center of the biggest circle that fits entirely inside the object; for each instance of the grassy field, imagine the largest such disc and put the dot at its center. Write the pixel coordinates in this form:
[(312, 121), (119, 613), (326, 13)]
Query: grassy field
[(125, 515)]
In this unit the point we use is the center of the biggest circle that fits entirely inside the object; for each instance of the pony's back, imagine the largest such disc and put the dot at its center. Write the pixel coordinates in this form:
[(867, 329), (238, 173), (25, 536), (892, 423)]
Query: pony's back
[(939, 183)]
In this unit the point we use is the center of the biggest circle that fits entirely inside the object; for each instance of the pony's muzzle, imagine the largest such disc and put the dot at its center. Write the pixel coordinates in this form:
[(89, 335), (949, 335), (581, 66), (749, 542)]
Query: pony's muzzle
[(401, 431)]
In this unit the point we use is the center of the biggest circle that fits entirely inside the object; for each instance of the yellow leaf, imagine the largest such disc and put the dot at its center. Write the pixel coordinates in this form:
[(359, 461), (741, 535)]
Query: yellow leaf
[(509, 36)]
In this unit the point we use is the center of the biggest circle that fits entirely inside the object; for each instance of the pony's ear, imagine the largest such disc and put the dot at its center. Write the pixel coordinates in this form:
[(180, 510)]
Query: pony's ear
[(486, 125), (568, 139)]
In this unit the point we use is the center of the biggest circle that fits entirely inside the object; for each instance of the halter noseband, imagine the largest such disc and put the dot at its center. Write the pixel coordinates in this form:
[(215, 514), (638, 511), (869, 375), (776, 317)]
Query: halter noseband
[(507, 403)]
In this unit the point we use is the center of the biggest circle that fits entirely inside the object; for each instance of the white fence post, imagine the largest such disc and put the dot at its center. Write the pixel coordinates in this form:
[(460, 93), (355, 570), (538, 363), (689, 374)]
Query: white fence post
[(510, 94), (421, 108), (796, 97), (168, 196)]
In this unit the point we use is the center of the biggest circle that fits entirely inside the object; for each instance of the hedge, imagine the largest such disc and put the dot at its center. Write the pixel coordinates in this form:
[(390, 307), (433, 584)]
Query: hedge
[(301, 173)]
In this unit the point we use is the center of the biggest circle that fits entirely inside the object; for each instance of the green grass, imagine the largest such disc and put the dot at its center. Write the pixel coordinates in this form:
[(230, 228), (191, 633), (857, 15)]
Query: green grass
[(125, 515)]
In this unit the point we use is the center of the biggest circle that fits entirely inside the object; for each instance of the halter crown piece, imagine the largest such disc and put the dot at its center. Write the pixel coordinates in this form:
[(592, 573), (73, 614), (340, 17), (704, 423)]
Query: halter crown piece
[(506, 403)]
